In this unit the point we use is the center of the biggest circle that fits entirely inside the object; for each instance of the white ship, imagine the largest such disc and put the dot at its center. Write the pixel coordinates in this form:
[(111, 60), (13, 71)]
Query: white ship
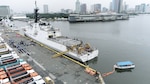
[(51, 37)]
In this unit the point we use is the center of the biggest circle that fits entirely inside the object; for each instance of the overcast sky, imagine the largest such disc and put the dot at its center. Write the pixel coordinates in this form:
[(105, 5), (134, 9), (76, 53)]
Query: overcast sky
[(56, 5)]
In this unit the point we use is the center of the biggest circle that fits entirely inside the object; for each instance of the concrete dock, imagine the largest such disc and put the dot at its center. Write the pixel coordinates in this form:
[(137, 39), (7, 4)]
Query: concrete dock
[(60, 69)]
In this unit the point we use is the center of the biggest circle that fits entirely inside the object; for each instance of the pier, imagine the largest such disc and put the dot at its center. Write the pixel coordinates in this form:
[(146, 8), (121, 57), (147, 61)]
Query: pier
[(60, 74), (100, 78)]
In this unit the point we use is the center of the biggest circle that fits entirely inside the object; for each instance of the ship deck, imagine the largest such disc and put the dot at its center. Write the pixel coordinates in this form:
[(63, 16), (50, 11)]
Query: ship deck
[(75, 45), (61, 70), (66, 41)]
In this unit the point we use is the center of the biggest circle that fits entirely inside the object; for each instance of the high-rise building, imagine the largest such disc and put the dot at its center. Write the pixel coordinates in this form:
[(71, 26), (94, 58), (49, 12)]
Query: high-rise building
[(83, 9), (77, 7), (4, 11), (125, 7), (117, 5), (110, 6), (142, 8), (45, 6), (96, 8), (147, 9), (137, 9)]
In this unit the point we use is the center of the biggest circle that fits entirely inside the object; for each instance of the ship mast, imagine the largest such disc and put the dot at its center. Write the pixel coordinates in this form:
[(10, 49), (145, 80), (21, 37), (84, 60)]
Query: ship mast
[(36, 13)]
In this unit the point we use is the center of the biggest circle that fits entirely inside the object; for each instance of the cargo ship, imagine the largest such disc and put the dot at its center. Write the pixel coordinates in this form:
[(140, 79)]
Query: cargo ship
[(51, 37)]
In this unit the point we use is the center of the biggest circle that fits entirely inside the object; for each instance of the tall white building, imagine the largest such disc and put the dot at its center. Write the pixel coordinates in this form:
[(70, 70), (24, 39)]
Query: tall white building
[(77, 6), (4, 11), (45, 6)]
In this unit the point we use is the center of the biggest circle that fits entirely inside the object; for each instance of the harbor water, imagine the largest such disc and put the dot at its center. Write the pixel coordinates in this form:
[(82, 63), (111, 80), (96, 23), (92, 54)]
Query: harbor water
[(117, 41)]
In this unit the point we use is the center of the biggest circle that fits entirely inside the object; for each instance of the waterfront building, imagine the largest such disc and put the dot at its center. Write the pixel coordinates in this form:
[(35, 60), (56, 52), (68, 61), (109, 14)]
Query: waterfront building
[(137, 8), (142, 8), (117, 6), (110, 7), (66, 11), (125, 7), (83, 9), (96, 8), (147, 9), (63, 11), (45, 6), (77, 7), (4, 11)]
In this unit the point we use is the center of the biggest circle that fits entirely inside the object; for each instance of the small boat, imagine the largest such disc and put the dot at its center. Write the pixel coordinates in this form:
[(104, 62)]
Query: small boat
[(124, 65)]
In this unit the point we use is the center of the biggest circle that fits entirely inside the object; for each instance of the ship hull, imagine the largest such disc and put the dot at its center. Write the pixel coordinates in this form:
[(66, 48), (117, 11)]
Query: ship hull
[(61, 48)]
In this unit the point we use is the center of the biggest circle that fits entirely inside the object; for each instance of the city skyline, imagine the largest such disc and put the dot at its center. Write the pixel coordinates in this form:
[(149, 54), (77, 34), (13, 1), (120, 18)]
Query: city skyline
[(56, 6), (45, 8)]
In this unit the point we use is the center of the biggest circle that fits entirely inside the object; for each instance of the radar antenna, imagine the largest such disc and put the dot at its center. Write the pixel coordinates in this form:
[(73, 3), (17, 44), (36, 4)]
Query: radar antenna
[(35, 5)]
